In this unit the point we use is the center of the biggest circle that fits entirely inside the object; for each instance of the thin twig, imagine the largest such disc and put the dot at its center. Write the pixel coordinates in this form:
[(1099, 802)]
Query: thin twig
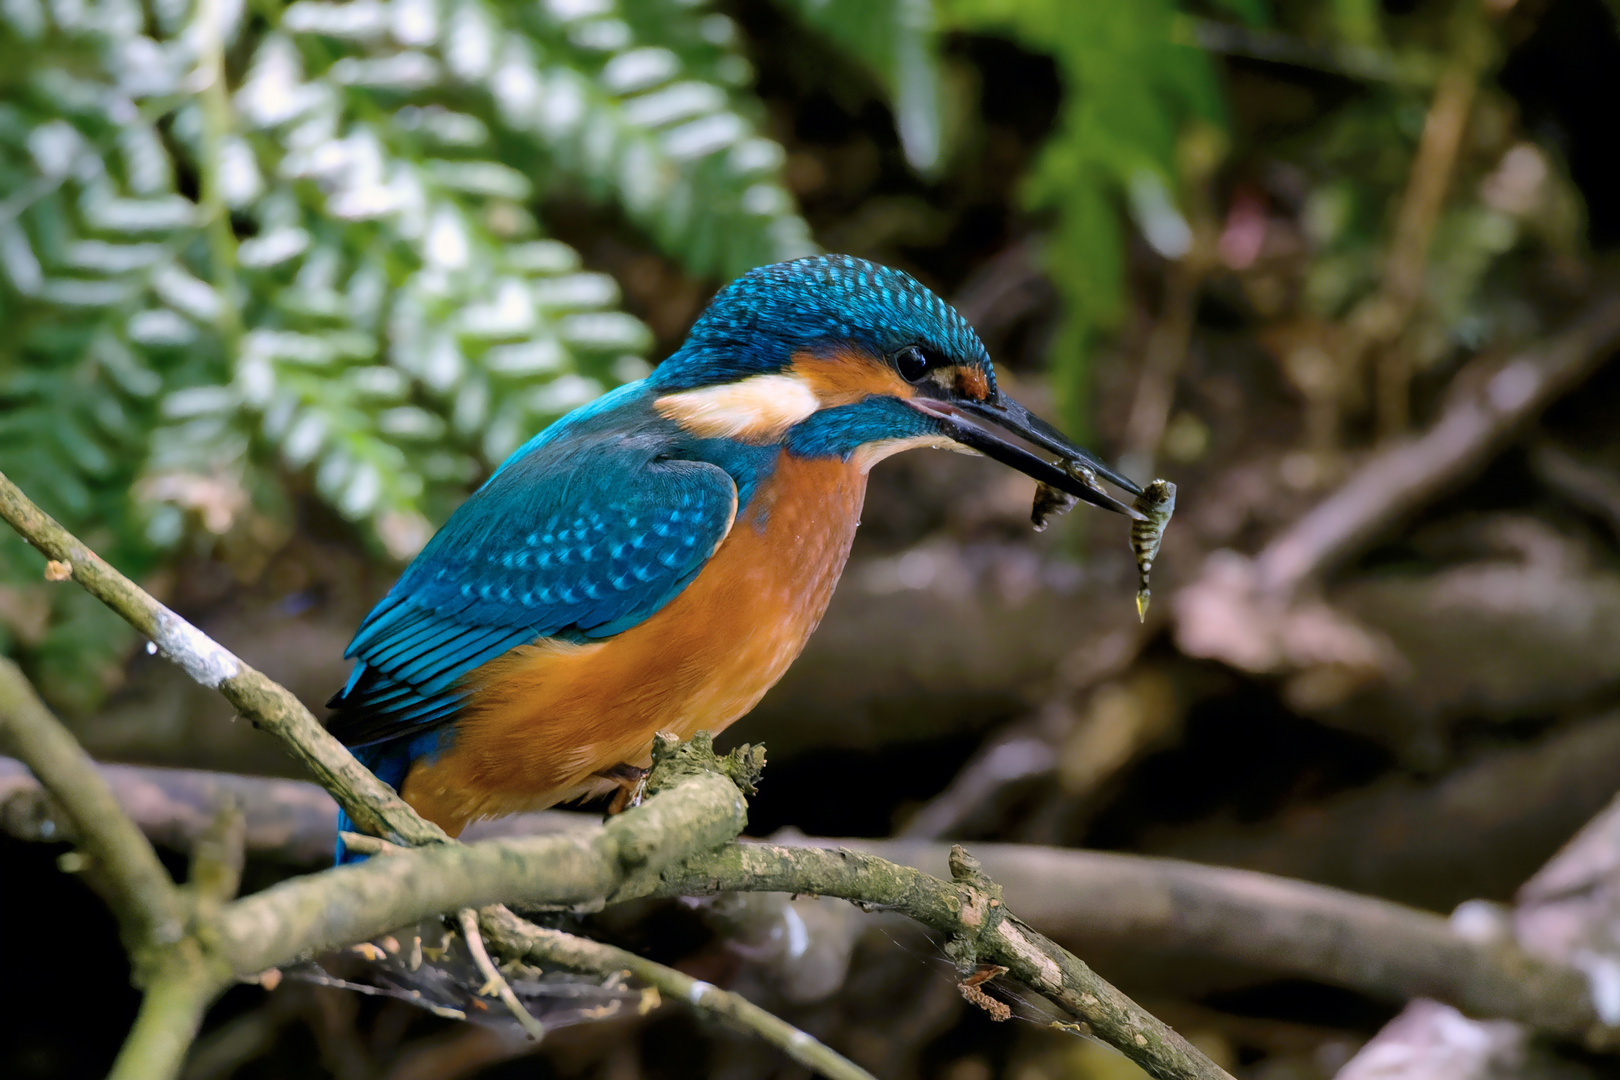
[(1432, 168), (495, 984), (371, 803), (1590, 488), (545, 946), (361, 844), (126, 869)]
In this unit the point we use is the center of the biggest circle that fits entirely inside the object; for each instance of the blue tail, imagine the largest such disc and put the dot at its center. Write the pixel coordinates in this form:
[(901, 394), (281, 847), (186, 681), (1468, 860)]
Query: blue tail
[(390, 761)]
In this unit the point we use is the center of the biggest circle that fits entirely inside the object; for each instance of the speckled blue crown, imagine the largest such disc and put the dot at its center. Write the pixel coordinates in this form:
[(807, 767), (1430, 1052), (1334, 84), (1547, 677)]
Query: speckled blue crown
[(754, 325)]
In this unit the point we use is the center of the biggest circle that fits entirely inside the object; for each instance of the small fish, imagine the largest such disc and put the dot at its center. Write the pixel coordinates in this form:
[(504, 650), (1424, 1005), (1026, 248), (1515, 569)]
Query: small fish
[(1158, 502), (1051, 502)]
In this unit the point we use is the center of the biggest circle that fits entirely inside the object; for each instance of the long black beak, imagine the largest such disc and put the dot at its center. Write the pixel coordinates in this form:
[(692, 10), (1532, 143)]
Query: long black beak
[(977, 425)]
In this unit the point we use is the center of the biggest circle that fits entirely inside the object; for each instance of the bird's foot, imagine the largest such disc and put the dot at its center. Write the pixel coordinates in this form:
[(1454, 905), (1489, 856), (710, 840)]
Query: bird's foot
[(632, 782)]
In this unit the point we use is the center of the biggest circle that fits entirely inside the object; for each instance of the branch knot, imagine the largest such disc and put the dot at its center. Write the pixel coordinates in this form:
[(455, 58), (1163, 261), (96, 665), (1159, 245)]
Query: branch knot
[(674, 761), (982, 909)]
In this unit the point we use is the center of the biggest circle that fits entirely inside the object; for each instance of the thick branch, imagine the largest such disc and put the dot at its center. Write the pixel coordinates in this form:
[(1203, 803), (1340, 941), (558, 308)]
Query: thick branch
[(356, 903), (1487, 824), (1567, 910), (544, 946), (125, 868), (699, 811), (370, 802)]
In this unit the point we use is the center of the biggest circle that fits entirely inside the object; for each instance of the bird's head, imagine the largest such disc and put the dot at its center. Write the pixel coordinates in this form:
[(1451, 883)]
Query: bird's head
[(833, 355)]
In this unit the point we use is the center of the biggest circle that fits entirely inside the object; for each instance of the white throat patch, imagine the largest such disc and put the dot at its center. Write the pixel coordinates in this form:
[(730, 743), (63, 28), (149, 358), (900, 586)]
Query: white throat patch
[(873, 452)]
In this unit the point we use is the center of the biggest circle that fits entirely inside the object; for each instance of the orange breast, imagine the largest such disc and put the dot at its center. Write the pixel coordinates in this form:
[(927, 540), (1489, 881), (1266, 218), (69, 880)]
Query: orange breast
[(544, 719)]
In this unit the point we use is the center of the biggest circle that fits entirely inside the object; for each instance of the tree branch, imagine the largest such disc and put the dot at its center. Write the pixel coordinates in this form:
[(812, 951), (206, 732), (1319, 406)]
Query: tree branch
[(494, 981), (1375, 947), (270, 706), (1567, 910), (700, 809), (545, 946), (1383, 949), (125, 868), (969, 909), (170, 1014), (356, 903), (288, 821)]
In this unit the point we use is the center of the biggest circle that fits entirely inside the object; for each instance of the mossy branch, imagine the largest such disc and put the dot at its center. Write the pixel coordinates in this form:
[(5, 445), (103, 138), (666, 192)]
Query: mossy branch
[(348, 904), (969, 910)]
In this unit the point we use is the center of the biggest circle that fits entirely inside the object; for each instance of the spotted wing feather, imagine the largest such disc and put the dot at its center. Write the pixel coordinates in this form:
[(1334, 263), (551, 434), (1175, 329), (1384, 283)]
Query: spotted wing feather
[(578, 543)]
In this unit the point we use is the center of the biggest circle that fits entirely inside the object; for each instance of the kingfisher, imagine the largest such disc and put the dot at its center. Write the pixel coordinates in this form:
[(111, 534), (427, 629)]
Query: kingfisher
[(656, 559)]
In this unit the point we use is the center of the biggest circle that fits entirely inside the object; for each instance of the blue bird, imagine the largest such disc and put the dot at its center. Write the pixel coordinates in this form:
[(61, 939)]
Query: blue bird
[(655, 560)]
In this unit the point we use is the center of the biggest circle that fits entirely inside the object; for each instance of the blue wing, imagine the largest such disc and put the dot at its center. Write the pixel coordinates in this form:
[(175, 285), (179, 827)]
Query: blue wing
[(578, 540)]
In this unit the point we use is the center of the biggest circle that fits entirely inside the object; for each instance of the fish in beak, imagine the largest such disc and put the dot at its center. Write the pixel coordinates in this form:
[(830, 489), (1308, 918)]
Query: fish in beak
[(1003, 430)]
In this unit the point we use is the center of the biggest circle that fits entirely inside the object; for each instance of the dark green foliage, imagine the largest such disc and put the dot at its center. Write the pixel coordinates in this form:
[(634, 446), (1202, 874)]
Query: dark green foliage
[(1130, 88)]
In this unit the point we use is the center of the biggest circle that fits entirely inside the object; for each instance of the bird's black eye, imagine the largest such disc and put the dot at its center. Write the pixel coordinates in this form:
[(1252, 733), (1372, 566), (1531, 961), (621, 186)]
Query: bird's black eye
[(912, 363)]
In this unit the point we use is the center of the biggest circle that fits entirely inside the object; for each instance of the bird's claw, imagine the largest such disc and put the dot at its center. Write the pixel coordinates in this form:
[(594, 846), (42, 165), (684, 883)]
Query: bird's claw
[(632, 782)]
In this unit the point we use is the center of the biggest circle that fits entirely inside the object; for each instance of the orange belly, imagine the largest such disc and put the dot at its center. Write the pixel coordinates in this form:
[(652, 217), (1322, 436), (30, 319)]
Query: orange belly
[(544, 719)]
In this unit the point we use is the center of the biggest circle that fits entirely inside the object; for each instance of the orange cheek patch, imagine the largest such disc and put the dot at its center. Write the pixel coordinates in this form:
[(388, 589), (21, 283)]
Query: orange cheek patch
[(847, 377), (971, 383)]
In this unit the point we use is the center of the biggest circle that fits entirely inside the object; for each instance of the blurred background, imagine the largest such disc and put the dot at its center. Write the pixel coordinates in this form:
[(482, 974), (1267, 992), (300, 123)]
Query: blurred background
[(280, 283)]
